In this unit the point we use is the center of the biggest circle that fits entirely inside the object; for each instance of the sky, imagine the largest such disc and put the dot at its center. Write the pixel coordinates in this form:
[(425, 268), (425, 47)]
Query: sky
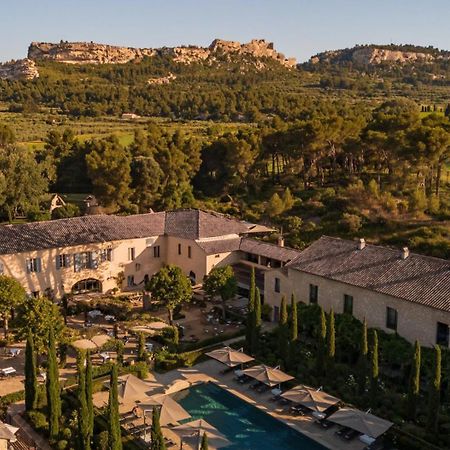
[(298, 28)]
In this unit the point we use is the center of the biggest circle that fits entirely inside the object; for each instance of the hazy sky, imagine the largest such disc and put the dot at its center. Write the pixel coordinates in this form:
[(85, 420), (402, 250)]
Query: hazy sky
[(299, 28)]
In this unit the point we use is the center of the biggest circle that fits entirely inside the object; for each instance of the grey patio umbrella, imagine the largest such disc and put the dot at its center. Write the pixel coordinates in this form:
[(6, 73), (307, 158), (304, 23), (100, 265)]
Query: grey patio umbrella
[(363, 422), (171, 412), (230, 357), (267, 375), (313, 399), (191, 433)]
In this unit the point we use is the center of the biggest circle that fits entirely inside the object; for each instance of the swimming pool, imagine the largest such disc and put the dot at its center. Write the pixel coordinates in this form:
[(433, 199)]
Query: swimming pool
[(244, 425)]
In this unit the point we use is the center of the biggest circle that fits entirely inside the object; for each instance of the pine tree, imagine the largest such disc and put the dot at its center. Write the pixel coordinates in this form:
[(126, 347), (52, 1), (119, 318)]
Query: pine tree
[(435, 392), (83, 414), (414, 383), (322, 342), (251, 310), (283, 339), (364, 350), (53, 388), (156, 436), (31, 385), (114, 433), (331, 337), (256, 322), (288, 200), (204, 444), (89, 394), (374, 372)]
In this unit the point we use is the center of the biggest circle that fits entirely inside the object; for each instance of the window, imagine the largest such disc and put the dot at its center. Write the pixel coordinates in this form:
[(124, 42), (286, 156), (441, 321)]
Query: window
[(179, 249), (442, 334), (105, 255), (85, 260), (252, 258), (137, 267), (131, 254), (130, 280), (34, 265), (277, 285), (63, 260), (313, 293), (391, 318), (189, 252), (348, 304), (156, 251), (2, 268)]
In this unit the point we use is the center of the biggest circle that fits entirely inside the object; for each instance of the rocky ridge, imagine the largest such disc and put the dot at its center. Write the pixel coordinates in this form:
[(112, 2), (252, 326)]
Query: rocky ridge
[(22, 69), (92, 53)]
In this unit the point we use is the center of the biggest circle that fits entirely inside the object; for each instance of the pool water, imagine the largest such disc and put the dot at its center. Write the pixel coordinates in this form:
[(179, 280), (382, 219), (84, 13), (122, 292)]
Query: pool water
[(244, 425)]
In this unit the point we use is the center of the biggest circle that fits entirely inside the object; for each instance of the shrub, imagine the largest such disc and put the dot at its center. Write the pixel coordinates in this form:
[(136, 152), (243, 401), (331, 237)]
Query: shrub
[(62, 445), (38, 420), (350, 223)]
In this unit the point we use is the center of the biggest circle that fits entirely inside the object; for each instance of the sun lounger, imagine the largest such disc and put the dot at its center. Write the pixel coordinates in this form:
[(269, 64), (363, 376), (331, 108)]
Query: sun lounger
[(226, 370), (297, 410), (255, 385), (263, 388), (8, 371), (351, 434), (324, 423), (341, 431)]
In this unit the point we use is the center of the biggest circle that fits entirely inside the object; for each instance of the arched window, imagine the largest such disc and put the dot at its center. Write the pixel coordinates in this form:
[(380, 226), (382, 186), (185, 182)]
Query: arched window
[(88, 285)]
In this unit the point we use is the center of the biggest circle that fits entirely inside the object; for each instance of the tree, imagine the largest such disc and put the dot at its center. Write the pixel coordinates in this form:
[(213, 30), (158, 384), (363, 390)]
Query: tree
[(275, 206), (364, 351), (12, 294), (256, 322), (414, 382), (435, 392), (374, 372), (221, 281), (250, 310), (53, 388), (83, 413), (156, 437), (320, 363), (204, 443), (40, 315), (141, 351), (283, 338), (31, 384), (108, 166), (114, 432), (331, 337), (171, 287), (89, 394), (7, 136), (288, 200), (293, 320)]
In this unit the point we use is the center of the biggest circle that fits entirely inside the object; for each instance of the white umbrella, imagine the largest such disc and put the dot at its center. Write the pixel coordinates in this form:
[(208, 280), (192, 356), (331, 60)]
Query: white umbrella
[(171, 412), (192, 433)]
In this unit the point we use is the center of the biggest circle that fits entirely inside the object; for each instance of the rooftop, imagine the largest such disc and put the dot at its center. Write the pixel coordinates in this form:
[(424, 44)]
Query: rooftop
[(416, 278)]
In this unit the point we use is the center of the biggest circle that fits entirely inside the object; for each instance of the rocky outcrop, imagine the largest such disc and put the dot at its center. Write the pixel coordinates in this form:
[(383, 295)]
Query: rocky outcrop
[(86, 53), (22, 69), (162, 80), (92, 53), (372, 55)]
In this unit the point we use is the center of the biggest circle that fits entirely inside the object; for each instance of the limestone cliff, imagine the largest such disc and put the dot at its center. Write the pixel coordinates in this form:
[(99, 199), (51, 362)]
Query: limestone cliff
[(22, 69), (92, 53)]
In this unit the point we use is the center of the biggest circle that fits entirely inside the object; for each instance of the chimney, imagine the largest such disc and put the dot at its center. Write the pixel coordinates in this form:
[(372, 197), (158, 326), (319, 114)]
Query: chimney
[(405, 252), (361, 243), (280, 241)]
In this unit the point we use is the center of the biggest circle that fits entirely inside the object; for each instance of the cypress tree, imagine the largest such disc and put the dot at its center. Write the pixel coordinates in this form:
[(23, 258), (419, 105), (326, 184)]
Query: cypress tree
[(156, 436), (435, 392), (364, 350), (283, 330), (114, 433), (141, 353), (331, 337), (414, 383), (89, 394), (322, 342), (374, 372), (53, 388), (293, 324), (251, 310), (256, 322), (204, 444), (31, 384), (83, 415)]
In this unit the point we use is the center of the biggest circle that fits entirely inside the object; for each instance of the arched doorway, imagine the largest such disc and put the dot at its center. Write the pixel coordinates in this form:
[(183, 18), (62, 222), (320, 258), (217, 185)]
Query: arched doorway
[(192, 277), (88, 285)]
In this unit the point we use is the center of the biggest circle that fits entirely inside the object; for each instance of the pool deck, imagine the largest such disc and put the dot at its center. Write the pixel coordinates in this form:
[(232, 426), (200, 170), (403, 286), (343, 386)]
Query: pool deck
[(304, 424)]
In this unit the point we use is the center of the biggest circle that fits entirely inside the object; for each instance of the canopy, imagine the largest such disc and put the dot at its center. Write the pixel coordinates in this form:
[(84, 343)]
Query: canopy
[(91, 344), (131, 388), (171, 412), (267, 375), (360, 421), (192, 433), (229, 356), (311, 398)]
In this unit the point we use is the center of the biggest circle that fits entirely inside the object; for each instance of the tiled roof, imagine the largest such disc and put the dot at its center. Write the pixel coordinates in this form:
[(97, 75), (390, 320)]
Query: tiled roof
[(220, 245), (419, 279), (268, 250), (188, 224), (78, 231)]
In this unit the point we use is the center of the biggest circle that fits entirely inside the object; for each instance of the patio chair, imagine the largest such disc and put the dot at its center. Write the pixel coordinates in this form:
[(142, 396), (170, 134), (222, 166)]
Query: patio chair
[(342, 431), (295, 409)]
